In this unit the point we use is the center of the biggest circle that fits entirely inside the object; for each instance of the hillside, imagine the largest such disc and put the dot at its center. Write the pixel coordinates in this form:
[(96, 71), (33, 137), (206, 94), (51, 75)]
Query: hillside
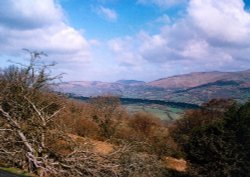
[(236, 90), (199, 78), (130, 82), (48, 135), (189, 80), (193, 88), (91, 88)]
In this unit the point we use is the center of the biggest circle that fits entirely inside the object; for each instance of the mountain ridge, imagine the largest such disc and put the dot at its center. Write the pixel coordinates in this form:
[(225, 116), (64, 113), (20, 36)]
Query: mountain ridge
[(195, 79), (196, 87)]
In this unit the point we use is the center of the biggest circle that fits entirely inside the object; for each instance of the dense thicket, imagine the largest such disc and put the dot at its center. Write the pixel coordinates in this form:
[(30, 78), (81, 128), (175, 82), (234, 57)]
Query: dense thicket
[(27, 113), (215, 139)]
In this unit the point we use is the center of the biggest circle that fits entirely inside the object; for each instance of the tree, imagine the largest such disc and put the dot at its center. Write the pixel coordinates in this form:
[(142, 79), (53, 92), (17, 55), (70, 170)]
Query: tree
[(106, 113), (221, 145), (26, 115), (209, 113)]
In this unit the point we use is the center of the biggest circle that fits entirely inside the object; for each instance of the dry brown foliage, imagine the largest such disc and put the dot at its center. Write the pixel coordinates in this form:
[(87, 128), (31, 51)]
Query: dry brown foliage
[(144, 123), (76, 119), (147, 134), (27, 116), (107, 113), (176, 164), (42, 132)]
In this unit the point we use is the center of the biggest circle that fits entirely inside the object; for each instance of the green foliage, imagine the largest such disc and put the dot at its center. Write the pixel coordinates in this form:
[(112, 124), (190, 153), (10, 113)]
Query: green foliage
[(18, 172), (221, 145), (210, 113)]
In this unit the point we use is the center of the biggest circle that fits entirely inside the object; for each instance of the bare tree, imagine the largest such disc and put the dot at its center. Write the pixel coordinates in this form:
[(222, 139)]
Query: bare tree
[(26, 114), (31, 139)]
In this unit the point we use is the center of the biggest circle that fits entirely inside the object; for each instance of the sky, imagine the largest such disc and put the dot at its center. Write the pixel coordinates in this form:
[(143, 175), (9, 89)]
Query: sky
[(109, 40)]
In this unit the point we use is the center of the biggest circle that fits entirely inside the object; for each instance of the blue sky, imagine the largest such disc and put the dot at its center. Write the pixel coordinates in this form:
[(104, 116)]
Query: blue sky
[(131, 17), (108, 40)]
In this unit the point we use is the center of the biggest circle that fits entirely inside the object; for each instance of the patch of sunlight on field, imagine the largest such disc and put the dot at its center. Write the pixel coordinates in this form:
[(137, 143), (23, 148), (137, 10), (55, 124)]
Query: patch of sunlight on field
[(162, 112)]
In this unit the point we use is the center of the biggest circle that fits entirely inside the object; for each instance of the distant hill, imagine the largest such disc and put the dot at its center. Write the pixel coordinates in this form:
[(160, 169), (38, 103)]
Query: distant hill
[(91, 88), (130, 82), (194, 88), (198, 78)]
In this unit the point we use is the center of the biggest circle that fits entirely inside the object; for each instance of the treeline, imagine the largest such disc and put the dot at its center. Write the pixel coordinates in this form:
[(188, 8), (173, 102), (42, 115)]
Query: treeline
[(125, 101), (48, 134)]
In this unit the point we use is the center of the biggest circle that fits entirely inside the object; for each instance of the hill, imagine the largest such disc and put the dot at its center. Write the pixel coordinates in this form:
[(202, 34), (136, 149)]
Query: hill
[(130, 82), (195, 88), (199, 78)]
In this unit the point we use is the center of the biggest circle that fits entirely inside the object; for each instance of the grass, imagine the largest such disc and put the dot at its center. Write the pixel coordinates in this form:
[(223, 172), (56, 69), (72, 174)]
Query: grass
[(160, 111), (17, 172)]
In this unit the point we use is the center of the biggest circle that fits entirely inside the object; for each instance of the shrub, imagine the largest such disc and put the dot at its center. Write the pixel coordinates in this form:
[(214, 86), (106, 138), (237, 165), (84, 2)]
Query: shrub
[(143, 123), (107, 113), (221, 145), (27, 114), (76, 119), (210, 112)]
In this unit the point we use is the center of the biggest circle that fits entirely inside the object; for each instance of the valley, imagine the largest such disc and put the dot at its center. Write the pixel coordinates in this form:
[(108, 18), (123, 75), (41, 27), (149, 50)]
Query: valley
[(112, 88), (167, 111), (166, 98)]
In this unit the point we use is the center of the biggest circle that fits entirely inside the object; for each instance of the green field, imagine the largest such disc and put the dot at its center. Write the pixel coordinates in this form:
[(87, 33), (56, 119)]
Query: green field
[(17, 171), (160, 111), (164, 110)]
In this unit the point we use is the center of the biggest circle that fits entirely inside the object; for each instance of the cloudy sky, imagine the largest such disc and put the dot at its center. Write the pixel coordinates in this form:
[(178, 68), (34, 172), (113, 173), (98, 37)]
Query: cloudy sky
[(107, 40)]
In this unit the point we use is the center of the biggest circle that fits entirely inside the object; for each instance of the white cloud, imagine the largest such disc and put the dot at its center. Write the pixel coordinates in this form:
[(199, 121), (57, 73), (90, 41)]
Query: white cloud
[(214, 35), (107, 13), (125, 51), (224, 20), (40, 25), (196, 49), (165, 19), (25, 14)]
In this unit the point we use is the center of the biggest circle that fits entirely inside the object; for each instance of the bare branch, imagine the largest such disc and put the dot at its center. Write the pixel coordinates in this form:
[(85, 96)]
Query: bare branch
[(4, 129)]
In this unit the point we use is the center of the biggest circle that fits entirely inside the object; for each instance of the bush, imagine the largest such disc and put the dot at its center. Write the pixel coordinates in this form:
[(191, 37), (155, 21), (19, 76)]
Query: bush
[(147, 134), (27, 113), (209, 113), (76, 119), (221, 145), (143, 123), (107, 113)]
